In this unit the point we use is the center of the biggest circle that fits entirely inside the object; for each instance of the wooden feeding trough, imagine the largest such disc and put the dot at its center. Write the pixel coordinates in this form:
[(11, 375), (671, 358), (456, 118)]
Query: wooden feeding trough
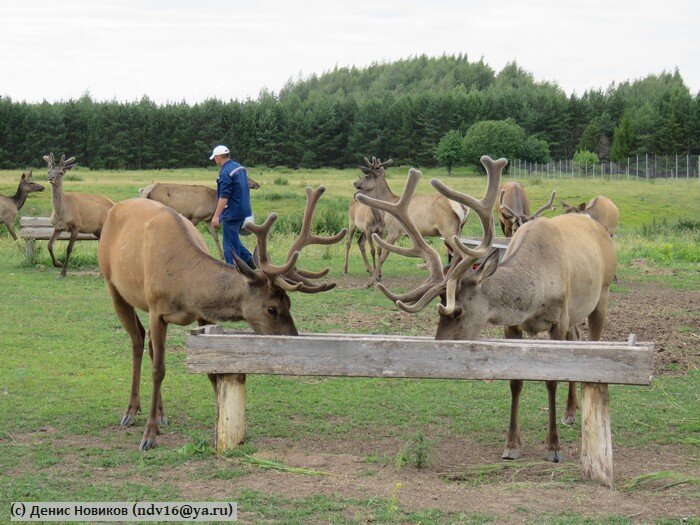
[(229, 356)]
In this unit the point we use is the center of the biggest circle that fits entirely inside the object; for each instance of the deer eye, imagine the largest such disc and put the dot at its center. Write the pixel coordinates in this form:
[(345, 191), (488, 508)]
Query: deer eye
[(272, 311), (458, 313)]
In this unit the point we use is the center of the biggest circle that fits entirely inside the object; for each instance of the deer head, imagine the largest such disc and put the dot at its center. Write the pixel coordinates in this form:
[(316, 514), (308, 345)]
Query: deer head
[(27, 184), (55, 174), (461, 308), (374, 175), (514, 219), (573, 209), (271, 283)]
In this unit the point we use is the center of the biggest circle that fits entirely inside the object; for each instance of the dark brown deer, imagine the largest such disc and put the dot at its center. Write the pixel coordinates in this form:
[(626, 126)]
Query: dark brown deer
[(72, 212), (555, 273), (10, 206), (154, 260), (600, 209), (434, 215), (514, 208)]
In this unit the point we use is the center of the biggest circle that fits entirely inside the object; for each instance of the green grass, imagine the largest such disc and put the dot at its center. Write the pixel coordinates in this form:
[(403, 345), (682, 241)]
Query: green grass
[(66, 365)]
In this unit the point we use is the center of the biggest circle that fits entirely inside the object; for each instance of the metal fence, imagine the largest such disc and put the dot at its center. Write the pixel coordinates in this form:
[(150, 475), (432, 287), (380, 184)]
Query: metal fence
[(639, 167)]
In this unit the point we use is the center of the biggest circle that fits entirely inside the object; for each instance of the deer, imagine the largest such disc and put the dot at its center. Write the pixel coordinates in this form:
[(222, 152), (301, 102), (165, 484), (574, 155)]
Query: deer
[(72, 212), (555, 273), (434, 215), (153, 259), (600, 209), (368, 221), (195, 202), (10, 206), (514, 207)]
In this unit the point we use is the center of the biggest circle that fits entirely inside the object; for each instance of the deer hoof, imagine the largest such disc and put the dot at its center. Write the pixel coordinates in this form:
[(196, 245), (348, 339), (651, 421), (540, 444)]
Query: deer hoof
[(147, 444), (162, 420), (554, 456), (569, 420), (128, 420), (510, 453)]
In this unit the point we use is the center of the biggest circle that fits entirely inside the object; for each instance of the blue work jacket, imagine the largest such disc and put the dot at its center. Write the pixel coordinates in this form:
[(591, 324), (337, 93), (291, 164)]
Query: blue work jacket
[(235, 189)]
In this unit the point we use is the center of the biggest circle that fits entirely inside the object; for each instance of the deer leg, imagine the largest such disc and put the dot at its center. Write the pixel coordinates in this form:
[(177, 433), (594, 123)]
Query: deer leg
[(596, 319), (157, 329), (513, 442), (361, 244), (571, 398), (53, 238), (372, 251), (348, 243), (377, 274), (73, 235), (552, 435), (10, 229), (161, 407), (132, 325), (215, 236)]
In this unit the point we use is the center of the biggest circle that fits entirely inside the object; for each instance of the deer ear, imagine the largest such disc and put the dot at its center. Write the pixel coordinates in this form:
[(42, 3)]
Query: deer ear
[(253, 277), (582, 206), (23, 177), (488, 267)]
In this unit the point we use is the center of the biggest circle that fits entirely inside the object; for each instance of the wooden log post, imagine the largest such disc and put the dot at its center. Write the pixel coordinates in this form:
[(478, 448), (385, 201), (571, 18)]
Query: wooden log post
[(596, 439), (230, 411), (229, 390)]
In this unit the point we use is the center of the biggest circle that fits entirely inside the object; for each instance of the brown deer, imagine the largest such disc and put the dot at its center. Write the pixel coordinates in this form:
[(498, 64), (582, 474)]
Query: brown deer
[(196, 203), (555, 273), (601, 209), (514, 208), (434, 215), (154, 260), (10, 206), (72, 212), (368, 221)]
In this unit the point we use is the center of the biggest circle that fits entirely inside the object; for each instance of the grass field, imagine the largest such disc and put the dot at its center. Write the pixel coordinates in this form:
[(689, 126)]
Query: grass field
[(390, 451)]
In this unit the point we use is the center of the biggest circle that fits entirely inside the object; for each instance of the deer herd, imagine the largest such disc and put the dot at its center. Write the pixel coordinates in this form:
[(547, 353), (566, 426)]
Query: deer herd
[(556, 272)]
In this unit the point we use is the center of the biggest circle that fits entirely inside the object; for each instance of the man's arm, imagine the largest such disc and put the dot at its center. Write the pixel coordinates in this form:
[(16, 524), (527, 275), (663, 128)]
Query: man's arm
[(217, 213)]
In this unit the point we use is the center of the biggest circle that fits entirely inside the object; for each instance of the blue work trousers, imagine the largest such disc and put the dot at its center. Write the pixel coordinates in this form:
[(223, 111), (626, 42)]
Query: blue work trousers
[(233, 244)]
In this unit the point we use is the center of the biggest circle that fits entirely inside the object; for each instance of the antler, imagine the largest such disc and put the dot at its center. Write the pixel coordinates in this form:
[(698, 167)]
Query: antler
[(288, 276), (435, 283), (483, 208), (64, 165), (376, 164), (545, 207)]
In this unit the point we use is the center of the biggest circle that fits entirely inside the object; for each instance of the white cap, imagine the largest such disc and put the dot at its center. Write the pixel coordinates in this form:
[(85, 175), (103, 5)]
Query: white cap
[(219, 150)]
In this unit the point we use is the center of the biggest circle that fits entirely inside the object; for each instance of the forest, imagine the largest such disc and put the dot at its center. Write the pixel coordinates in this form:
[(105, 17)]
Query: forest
[(401, 110)]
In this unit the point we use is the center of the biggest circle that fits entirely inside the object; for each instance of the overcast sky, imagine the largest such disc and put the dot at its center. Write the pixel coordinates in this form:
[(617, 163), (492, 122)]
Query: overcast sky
[(173, 50)]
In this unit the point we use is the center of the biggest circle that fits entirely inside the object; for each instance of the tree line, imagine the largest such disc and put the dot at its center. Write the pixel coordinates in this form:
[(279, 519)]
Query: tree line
[(401, 110)]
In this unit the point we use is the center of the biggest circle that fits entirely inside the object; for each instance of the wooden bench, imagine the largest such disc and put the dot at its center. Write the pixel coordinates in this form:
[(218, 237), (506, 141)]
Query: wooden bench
[(229, 356), (33, 229)]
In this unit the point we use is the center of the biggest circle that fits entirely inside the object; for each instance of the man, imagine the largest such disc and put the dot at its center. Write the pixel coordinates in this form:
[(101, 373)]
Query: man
[(234, 204)]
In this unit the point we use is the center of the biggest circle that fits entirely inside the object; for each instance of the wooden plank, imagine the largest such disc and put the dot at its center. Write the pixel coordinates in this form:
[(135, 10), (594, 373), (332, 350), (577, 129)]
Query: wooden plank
[(329, 355), (44, 234), (596, 438), (216, 329), (35, 222)]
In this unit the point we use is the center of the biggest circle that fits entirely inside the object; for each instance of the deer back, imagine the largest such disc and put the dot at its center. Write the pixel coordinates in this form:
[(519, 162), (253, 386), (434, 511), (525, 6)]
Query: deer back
[(194, 202), (605, 212)]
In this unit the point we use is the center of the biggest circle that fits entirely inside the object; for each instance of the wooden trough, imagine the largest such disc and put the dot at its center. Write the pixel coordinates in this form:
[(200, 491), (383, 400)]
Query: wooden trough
[(229, 356), (40, 229)]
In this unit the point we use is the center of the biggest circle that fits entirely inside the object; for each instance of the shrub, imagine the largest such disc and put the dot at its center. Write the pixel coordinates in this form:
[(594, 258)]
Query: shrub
[(584, 157)]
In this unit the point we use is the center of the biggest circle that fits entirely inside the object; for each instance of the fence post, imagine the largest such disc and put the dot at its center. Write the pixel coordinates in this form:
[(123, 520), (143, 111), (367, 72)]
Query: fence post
[(687, 166), (230, 411), (637, 175), (646, 164), (596, 439), (628, 168), (676, 166)]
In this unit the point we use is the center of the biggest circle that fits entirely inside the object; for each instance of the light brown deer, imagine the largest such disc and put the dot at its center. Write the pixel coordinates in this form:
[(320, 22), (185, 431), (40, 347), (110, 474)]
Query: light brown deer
[(368, 221), (601, 209), (434, 215), (10, 206), (154, 260), (514, 208), (555, 273), (196, 203), (72, 212)]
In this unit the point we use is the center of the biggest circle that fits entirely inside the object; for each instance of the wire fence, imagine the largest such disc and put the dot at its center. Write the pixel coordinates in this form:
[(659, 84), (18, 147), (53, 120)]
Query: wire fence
[(639, 167)]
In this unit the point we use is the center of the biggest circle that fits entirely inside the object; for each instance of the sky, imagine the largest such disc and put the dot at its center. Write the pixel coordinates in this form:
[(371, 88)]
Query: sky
[(179, 50)]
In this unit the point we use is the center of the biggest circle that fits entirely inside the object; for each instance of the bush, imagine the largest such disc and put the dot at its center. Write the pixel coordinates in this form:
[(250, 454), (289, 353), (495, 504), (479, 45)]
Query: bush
[(584, 157), (495, 138), (281, 181)]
